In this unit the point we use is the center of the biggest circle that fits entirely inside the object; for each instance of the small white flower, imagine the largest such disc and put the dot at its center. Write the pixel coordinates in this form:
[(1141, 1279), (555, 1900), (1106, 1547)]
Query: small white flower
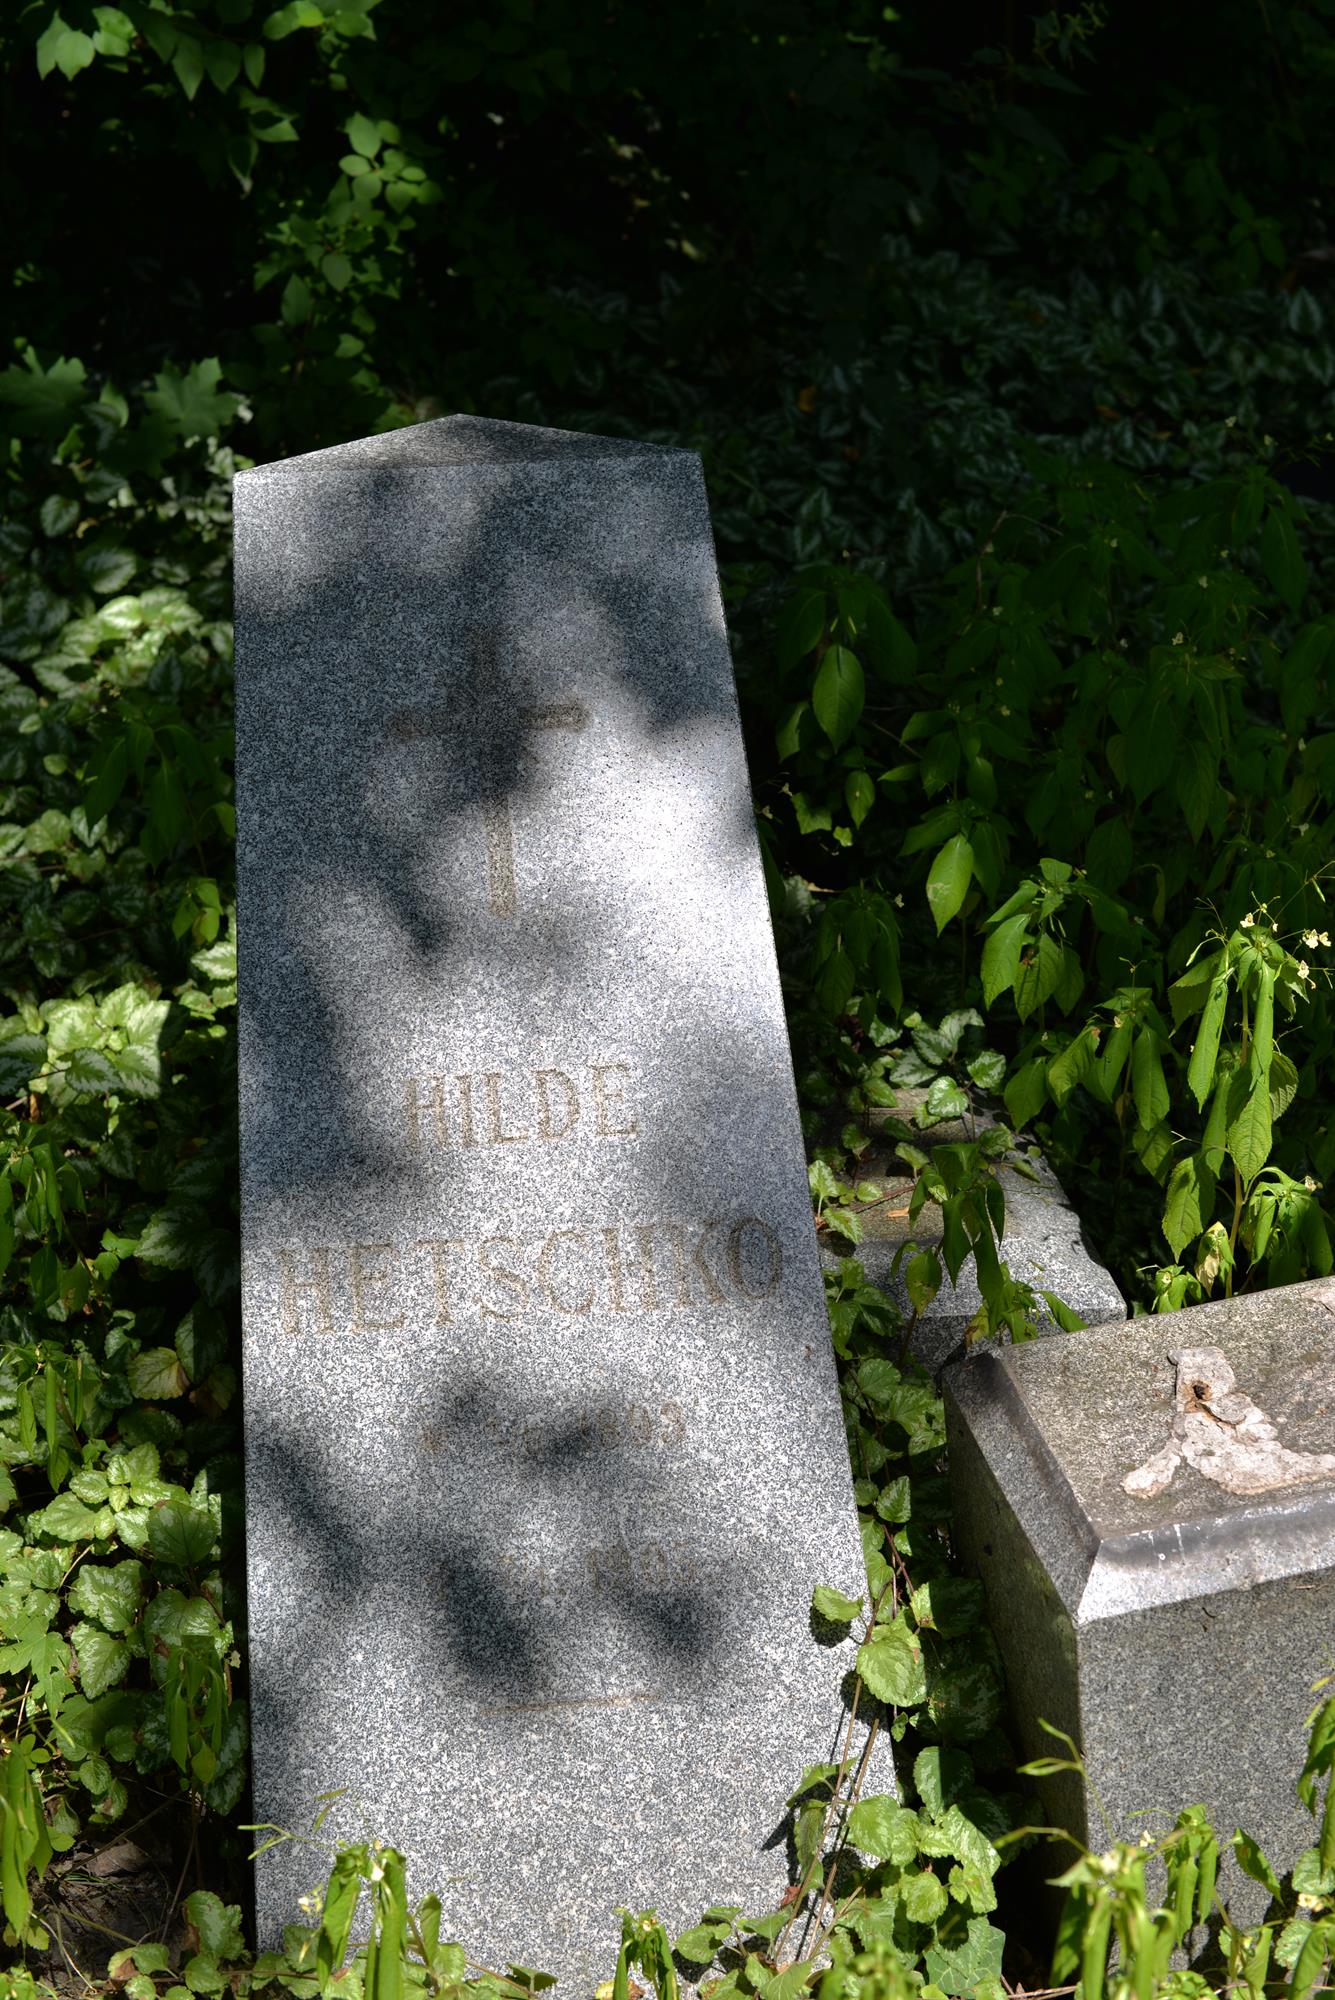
[(1112, 541), (1122, 644), (1229, 422), (1004, 709), (1325, 937), (1178, 638), (1302, 969), (1310, 1184), (1204, 582), (1311, 939), (1248, 921), (899, 902)]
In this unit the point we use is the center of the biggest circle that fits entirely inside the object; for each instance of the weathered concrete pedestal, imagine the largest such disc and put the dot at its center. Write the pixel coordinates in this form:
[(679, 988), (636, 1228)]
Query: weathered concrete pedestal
[(1175, 1629), (1043, 1244)]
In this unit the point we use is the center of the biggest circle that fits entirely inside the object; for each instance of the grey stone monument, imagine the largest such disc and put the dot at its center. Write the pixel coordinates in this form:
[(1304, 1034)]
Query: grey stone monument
[(1151, 1507), (544, 1445)]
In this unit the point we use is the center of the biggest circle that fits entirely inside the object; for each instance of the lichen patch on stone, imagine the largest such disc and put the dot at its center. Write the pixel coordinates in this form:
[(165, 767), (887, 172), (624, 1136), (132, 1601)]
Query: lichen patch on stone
[(1219, 1430)]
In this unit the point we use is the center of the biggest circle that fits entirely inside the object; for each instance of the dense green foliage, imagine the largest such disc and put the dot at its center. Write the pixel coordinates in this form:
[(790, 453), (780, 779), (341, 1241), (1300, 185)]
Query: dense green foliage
[(1006, 341)]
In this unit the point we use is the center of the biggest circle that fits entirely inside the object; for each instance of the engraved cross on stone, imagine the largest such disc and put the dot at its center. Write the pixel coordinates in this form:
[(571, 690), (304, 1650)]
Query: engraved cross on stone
[(488, 691)]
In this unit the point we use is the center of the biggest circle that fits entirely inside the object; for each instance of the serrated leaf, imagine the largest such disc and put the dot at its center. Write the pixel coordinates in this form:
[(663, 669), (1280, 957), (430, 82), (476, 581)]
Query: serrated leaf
[(827, 1602), (951, 1605), (157, 1374), (923, 1896), (1249, 1133), (838, 694), (987, 1070), (104, 1659), (859, 795), (218, 1924), (67, 1519), (1205, 1049), (1281, 557), (181, 1535), (112, 1595), (940, 1775), (1001, 956), (89, 1070), (1149, 1089), (891, 1665), (21, 1057), (1189, 1202), (944, 1100), (882, 1827), (966, 1968), (169, 1238), (1038, 975), (58, 514), (948, 880)]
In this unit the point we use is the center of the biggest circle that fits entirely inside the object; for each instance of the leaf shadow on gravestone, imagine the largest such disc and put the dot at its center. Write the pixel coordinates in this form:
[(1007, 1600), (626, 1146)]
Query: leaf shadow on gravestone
[(403, 808), (493, 671)]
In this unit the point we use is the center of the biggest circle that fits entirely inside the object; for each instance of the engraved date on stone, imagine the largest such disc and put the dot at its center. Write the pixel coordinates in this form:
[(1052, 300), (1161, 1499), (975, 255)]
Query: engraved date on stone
[(616, 1569), (653, 1425)]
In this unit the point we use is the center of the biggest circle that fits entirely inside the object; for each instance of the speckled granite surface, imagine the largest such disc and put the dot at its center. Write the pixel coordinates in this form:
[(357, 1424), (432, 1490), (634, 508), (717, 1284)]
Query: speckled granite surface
[(544, 1449), (1176, 1636)]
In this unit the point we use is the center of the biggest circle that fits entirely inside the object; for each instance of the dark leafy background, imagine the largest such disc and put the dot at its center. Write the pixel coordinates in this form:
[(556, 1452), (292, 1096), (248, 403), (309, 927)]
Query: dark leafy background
[(1005, 337)]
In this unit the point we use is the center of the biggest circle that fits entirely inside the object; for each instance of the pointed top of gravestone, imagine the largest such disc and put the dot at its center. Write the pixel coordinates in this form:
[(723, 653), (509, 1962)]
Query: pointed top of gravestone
[(464, 441)]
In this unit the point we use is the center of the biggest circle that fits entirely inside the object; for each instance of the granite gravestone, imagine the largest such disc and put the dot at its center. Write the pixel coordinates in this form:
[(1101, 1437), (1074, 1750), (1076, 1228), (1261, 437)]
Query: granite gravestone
[(544, 1445), (1152, 1510)]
